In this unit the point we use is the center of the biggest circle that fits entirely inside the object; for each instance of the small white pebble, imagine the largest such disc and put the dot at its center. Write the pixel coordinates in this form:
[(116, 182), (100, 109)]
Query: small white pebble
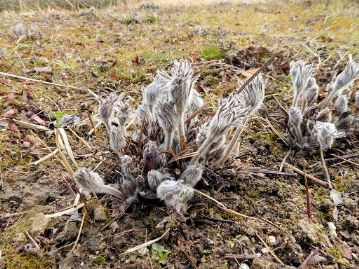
[(265, 250), (244, 266), (271, 240)]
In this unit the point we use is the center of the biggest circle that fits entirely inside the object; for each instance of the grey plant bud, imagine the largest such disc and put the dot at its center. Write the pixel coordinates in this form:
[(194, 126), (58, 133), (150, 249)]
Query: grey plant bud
[(155, 178), (106, 107), (356, 99), (326, 133), (175, 194), (312, 91), (19, 30), (127, 166), (166, 116), (295, 116), (345, 78), (341, 104), (117, 139), (192, 175), (91, 182)]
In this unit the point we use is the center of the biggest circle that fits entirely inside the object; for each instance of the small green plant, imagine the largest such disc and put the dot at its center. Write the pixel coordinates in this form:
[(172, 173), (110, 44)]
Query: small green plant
[(58, 115), (212, 53), (159, 253)]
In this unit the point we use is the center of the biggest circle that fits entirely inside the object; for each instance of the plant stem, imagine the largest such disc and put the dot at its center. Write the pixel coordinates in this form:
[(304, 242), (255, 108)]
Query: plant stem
[(325, 169)]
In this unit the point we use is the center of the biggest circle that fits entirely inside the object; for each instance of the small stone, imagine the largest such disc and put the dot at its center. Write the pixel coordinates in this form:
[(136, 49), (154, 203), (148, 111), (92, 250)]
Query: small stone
[(265, 250), (244, 266), (271, 240), (100, 213), (114, 226)]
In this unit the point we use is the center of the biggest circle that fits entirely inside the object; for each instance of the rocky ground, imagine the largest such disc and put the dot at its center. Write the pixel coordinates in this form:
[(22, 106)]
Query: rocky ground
[(119, 49)]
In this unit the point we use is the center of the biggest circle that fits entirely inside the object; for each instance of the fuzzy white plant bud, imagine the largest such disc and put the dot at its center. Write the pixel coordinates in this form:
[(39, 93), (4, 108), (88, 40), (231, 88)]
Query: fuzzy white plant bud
[(167, 119), (326, 133), (155, 178), (175, 194), (106, 108), (300, 72), (192, 175), (356, 99), (341, 104), (91, 182), (117, 139)]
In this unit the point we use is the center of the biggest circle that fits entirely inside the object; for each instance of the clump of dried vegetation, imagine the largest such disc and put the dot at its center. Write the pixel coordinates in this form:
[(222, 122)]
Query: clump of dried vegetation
[(160, 136)]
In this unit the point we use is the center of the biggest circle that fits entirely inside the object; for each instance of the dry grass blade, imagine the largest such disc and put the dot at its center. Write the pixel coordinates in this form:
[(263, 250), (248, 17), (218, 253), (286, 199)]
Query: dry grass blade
[(270, 250), (48, 156), (79, 233), (83, 141), (12, 76), (66, 143), (61, 147), (267, 63), (29, 125), (311, 177), (232, 212), (66, 211), (146, 244)]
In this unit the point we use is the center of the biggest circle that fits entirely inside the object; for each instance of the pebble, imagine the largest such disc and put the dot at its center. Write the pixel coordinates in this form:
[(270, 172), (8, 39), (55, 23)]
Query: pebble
[(271, 240), (244, 266)]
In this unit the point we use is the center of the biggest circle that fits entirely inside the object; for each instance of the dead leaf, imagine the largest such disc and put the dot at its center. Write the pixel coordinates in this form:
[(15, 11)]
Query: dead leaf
[(39, 222), (336, 197), (36, 118), (248, 73), (9, 113), (347, 251), (45, 69), (13, 127)]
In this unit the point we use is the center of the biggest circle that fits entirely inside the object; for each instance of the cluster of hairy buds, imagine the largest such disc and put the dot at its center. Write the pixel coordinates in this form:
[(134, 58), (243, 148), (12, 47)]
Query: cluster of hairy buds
[(31, 32), (318, 124), (232, 113), (167, 102), (164, 126)]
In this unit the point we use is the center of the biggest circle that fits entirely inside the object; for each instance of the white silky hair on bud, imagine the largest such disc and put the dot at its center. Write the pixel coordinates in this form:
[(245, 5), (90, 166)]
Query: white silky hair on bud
[(345, 78), (192, 175), (311, 93), (106, 108), (326, 133), (356, 99), (175, 194), (295, 118), (155, 178), (341, 104), (117, 139), (91, 182), (300, 72), (167, 119)]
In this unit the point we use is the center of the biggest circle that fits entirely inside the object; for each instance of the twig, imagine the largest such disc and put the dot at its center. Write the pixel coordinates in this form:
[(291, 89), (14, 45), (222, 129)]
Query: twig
[(327, 176), (307, 195), (32, 240), (230, 211), (79, 233), (48, 156), (284, 159), (345, 160), (270, 250), (146, 244), (196, 113), (29, 125), (12, 76), (242, 257), (309, 176), (83, 141), (249, 80), (65, 212)]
